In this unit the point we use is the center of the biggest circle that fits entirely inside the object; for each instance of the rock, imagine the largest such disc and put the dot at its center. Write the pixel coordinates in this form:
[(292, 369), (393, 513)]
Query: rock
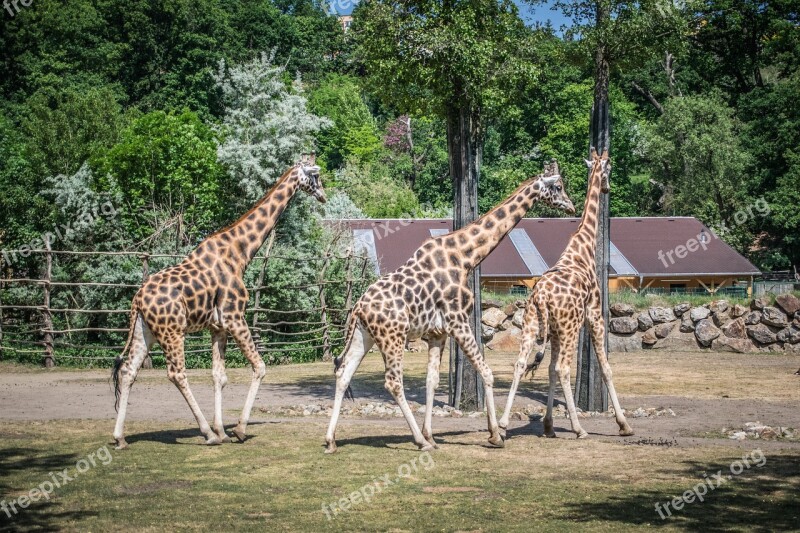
[(789, 303), (738, 435), (623, 324), (729, 344), (507, 340), (519, 303), (790, 335), (699, 313), (649, 338), (762, 334), (719, 306), (792, 349), (420, 345), (509, 309), (661, 314), (706, 331), (772, 316), (517, 318), (681, 308), (735, 329), (687, 325), (678, 342), (759, 303), (493, 317), (662, 330), (506, 324), (645, 322), (487, 332), (768, 433), (753, 318), (622, 309), (625, 343), (489, 304), (738, 310)]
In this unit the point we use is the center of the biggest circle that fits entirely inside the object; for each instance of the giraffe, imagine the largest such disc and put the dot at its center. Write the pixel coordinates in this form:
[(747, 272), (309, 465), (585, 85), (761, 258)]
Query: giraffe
[(206, 290), (429, 296), (562, 299)]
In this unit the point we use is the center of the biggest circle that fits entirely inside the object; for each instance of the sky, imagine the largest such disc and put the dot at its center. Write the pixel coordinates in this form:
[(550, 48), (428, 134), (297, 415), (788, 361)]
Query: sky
[(530, 14)]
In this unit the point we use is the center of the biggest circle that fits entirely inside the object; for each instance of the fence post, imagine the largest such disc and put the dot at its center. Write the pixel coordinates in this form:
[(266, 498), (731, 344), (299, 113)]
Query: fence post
[(148, 361), (48, 361), (1, 313), (349, 278), (326, 340), (257, 300)]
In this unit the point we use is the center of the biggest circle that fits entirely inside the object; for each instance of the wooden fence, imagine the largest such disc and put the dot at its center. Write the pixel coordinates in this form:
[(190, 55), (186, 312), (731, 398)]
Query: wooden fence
[(32, 326)]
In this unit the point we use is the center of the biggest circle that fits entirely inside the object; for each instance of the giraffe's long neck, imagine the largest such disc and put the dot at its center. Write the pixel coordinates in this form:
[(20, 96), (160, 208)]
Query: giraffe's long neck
[(483, 235), (583, 241), (239, 242)]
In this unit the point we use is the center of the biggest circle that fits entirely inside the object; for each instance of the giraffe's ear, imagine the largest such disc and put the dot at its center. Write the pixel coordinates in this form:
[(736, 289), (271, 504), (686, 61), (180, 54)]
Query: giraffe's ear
[(589, 163), (550, 180)]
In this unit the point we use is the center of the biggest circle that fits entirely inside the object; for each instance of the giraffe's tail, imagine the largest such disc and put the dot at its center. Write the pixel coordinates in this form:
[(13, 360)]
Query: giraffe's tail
[(120, 359), (540, 308), (338, 361)]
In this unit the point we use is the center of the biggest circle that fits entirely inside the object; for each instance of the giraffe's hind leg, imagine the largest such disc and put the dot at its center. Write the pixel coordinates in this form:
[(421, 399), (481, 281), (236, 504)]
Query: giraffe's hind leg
[(555, 355), (435, 346), (562, 367), (392, 349), (359, 345), (241, 334), (172, 343), (219, 342), (530, 331), (140, 345)]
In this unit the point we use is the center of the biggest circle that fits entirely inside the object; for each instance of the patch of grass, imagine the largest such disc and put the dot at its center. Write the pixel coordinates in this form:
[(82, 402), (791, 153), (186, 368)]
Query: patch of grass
[(280, 479)]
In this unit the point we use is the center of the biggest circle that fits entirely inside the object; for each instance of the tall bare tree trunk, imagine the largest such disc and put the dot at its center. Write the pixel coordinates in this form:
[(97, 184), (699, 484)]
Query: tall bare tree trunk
[(464, 147), (590, 390)]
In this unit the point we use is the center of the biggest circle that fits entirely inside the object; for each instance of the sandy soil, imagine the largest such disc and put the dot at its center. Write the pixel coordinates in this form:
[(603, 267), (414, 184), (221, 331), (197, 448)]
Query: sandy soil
[(706, 391)]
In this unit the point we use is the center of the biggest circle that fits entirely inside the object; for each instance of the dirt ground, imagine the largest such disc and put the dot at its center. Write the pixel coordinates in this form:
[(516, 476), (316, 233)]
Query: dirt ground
[(706, 391)]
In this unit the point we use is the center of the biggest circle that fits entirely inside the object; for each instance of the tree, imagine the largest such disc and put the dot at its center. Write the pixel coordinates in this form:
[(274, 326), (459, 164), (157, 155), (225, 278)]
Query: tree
[(457, 59)]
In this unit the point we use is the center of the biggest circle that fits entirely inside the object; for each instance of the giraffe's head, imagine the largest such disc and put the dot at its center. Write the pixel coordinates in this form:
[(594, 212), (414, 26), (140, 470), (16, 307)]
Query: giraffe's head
[(310, 182), (601, 164), (552, 191)]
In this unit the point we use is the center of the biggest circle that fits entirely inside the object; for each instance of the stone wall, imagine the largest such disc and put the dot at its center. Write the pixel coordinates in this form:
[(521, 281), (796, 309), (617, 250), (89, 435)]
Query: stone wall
[(716, 326)]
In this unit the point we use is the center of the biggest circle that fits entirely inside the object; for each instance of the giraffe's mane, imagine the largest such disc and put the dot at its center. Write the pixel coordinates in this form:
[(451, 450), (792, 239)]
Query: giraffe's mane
[(258, 204)]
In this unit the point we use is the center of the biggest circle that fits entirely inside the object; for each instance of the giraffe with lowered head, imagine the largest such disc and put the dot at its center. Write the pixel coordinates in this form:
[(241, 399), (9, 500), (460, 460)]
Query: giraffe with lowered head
[(429, 297), (567, 295), (206, 291)]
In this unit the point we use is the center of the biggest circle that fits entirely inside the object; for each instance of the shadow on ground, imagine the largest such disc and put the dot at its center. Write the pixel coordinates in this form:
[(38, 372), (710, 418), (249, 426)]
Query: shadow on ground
[(758, 499), (38, 515)]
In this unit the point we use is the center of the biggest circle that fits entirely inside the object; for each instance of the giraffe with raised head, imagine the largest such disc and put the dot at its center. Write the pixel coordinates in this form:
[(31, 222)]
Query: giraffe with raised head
[(429, 297), (565, 297), (206, 291)]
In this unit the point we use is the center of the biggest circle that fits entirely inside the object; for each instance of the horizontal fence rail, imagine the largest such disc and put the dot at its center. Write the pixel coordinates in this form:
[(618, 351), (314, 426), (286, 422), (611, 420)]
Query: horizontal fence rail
[(59, 309)]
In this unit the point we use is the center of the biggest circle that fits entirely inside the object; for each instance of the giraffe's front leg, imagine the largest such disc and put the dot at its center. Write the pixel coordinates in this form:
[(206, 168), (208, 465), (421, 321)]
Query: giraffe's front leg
[(463, 334), (241, 334), (435, 346)]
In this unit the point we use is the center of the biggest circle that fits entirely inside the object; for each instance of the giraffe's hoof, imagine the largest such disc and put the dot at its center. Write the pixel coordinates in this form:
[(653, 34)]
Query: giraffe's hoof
[(239, 434), (582, 434), (213, 441), (331, 448), (120, 443), (549, 434), (626, 432), (503, 431), (427, 446), (497, 441), (224, 438)]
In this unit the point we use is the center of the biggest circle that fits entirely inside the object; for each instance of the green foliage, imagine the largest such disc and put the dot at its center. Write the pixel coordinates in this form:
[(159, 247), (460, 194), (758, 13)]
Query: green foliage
[(372, 189), (166, 162)]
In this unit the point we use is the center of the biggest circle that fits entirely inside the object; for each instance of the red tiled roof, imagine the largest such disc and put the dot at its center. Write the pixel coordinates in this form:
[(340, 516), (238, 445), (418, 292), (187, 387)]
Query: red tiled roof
[(639, 240)]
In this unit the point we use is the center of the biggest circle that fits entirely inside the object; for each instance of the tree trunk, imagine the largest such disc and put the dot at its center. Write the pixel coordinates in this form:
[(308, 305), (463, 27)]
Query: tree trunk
[(590, 390), (464, 149)]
